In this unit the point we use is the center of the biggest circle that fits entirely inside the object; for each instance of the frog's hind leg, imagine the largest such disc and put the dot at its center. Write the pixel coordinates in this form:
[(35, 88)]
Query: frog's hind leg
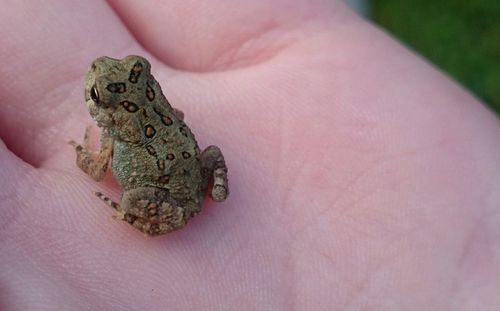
[(213, 167), (153, 210)]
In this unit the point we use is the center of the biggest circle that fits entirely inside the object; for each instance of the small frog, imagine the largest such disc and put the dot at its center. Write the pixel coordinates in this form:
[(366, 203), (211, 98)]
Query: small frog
[(155, 157)]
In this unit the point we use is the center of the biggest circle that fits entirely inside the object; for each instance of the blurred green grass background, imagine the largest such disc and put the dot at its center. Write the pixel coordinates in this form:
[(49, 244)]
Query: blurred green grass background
[(460, 37)]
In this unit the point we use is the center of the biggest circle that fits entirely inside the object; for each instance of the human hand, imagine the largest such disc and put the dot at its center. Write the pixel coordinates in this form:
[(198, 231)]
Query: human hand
[(361, 179)]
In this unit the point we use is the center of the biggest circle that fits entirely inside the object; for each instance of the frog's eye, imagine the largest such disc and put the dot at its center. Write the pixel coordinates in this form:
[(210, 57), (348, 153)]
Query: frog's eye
[(94, 95)]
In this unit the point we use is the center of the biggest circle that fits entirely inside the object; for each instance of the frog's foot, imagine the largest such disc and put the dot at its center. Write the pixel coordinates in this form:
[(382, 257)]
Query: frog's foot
[(213, 167), (147, 227), (108, 202), (154, 212), (120, 214)]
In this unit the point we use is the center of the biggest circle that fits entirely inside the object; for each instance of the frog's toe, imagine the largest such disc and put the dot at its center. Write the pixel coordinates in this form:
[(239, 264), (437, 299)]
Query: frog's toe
[(219, 192)]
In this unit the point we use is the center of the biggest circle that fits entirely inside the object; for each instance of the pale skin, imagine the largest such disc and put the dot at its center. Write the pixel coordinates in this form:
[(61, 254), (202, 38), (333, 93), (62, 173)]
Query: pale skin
[(361, 178)]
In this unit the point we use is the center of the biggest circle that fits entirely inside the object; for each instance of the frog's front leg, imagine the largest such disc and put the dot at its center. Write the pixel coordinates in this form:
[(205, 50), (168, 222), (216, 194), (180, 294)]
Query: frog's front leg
[(213, 167), (95, 164)]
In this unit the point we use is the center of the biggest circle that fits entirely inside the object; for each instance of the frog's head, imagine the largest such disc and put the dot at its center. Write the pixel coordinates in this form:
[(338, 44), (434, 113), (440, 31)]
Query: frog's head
[(114, 91)]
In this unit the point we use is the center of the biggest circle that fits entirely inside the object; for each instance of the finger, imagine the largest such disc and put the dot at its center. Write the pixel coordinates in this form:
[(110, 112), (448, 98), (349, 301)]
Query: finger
[(43, 65), (206, 35)]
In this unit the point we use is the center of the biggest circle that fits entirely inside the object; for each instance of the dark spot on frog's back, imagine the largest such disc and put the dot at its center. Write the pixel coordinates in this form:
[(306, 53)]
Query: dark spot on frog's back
[(135, 72), (161, 164), (183, 131), (129, 106), (116, 87), (186, 155), (164, 179), (150, 93), (149, 131), (151, 150), (166, 120)]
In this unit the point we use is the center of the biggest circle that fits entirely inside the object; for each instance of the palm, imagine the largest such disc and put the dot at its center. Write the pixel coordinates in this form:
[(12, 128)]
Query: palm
[(359, 177)]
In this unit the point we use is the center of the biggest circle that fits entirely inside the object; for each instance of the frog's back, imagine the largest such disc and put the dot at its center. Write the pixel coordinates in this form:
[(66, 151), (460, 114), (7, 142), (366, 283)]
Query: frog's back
[(169, 160), (164, 153)]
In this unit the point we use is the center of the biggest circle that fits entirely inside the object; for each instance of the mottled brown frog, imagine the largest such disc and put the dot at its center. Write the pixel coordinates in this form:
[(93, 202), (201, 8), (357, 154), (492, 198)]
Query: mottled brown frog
[(155, 157)]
